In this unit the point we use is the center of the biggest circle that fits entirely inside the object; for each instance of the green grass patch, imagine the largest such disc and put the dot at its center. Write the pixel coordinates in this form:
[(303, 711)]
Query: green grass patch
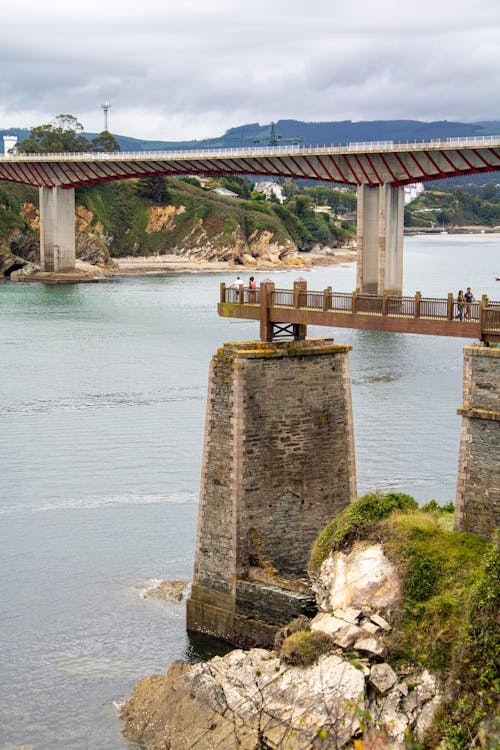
[(305, 647), (355, 521)]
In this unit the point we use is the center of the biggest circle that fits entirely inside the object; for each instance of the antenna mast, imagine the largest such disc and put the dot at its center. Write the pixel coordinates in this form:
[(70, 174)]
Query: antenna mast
[(105, 107)]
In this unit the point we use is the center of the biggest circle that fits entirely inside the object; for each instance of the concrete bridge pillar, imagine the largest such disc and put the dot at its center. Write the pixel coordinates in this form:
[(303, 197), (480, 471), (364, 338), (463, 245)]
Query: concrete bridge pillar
[(477, 508), (57, 229), (278, 464), (380, 239)]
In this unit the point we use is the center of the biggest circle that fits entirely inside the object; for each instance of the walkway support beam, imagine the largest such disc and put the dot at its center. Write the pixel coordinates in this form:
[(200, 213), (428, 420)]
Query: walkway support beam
[(57, 229), (380, 239)]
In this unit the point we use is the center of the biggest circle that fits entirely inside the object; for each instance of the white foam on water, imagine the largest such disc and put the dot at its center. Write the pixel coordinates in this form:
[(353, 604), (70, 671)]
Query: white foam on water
[(152, 584), (103, 501), (177, 498)]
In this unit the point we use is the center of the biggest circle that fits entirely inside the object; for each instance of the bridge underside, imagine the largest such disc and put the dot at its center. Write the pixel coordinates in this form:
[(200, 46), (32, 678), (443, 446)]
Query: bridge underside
[(378, 170)]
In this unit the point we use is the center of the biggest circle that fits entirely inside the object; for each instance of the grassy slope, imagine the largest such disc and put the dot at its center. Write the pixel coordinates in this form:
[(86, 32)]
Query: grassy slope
[(123, 216), (448, 619)]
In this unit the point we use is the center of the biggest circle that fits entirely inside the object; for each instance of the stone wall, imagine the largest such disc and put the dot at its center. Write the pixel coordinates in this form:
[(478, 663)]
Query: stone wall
[(478, 488), (278, 465)]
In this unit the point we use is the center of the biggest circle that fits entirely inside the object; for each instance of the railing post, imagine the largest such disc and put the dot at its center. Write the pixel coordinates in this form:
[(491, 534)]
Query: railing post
[(223, 291), (354, 300), (451, 301), (266, 326), (385, 303), (483, 305), (418, 299), (300, 293), (327, 298), (241, 297)]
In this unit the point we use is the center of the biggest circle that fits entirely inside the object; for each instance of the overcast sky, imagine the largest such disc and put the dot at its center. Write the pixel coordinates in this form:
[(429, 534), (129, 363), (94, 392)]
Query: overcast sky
[(182, 69)]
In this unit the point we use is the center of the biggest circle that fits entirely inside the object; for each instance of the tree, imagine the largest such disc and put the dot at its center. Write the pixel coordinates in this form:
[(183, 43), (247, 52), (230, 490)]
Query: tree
[(153, 188), (64, 133), (104, 142)]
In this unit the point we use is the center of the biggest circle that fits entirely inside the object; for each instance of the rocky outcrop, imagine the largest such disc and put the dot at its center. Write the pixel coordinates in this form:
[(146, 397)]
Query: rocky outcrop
[(361, 577), (255, 699), (91, 240), (263, 699), (261, 249), (11, 264)]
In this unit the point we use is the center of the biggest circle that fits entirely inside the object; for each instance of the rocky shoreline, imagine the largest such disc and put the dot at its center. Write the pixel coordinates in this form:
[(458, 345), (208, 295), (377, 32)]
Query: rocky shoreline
[(325, 683), (171, 263)]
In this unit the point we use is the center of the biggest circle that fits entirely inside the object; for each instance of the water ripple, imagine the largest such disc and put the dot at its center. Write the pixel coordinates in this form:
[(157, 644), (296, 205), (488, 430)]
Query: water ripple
[(91, 401)]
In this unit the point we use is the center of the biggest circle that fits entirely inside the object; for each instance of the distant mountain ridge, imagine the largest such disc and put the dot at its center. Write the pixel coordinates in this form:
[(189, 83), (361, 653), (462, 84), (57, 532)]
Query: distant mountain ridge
[(309, 133)]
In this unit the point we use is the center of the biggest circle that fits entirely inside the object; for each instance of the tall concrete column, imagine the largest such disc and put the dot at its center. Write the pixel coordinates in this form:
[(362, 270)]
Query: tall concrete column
[(477, 508), (278, 464), (380, 239), (57, 229)]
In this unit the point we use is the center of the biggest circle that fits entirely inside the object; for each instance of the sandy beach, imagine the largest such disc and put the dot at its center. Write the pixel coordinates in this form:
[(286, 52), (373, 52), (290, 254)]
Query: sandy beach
[(138, 265)]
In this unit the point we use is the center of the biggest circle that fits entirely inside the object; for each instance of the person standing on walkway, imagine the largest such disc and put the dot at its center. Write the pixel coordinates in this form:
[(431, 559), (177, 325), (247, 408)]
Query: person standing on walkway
[(469, 299), (252, 286), (460, 305)]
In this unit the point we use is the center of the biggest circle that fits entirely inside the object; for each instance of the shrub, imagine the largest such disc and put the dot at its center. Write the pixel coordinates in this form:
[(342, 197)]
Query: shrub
[(303, 648)]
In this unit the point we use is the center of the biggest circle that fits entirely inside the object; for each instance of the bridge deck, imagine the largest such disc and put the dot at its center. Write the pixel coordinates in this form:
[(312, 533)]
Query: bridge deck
[(299, 307)]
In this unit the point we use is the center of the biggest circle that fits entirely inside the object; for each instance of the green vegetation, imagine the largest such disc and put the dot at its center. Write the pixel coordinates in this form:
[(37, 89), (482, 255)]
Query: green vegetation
[(303, 648), (64, 134), (457, 208), (448, 619), (12, 198), (356, 522)]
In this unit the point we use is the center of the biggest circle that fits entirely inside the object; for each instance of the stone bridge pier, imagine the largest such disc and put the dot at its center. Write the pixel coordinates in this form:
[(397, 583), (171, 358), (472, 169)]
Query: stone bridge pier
[(278, 464), (477, 508), (57, 229)]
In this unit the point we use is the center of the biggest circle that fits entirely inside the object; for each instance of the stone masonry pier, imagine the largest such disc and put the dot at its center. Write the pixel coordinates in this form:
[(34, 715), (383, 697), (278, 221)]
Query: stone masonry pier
[(278, 464), (478, 488)]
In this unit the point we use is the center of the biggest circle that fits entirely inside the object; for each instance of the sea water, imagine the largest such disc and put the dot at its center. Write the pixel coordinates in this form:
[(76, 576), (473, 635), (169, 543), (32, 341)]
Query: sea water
[(102, 411)]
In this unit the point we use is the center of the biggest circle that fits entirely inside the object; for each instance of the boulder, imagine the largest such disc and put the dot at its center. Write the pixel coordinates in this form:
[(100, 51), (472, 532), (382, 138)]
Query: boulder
[(363, 577), (382, 677)]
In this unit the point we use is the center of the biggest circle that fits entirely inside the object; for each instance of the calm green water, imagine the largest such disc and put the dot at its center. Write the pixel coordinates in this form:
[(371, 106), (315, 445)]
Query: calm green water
[(101, 420)]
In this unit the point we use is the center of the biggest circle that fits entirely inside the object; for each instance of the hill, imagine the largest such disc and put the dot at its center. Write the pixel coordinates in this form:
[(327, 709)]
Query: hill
[(310, 133), (179, 216)]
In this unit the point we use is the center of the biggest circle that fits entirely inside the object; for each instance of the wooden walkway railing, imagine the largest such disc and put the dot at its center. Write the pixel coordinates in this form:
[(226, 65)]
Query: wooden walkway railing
[(289, 311)]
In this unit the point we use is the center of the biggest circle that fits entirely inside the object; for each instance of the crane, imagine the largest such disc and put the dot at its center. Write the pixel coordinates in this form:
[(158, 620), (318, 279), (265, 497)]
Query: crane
[(274, 139)]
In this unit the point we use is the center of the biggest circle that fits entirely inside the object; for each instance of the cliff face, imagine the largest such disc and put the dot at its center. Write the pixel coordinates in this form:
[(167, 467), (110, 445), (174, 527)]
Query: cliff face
[(165, 229), (401, 653)]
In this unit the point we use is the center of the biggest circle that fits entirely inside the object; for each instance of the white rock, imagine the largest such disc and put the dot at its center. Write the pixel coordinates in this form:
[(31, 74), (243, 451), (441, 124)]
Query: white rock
[(369, 627), (362, 578), (381, 622), (349, 614), (327, 623), (426, 716), (383, 677), (371, 646), (347, 636)]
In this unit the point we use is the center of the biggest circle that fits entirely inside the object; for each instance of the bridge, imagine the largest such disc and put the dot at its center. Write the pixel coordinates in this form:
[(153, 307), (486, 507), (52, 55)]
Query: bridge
[(379, 170), (285, 313)]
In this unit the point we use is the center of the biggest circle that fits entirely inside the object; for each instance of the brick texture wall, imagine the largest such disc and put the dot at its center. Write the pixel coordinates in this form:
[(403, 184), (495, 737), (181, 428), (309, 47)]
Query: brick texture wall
[(478, 487), (278, 461)]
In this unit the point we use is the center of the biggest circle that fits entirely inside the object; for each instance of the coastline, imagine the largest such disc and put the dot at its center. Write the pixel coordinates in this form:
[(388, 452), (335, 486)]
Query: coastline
[(156, 264), (170, 263)]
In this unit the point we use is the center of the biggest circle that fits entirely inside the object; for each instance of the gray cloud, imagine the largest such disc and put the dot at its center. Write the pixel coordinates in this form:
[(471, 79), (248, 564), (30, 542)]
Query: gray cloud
[(193, 68)]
